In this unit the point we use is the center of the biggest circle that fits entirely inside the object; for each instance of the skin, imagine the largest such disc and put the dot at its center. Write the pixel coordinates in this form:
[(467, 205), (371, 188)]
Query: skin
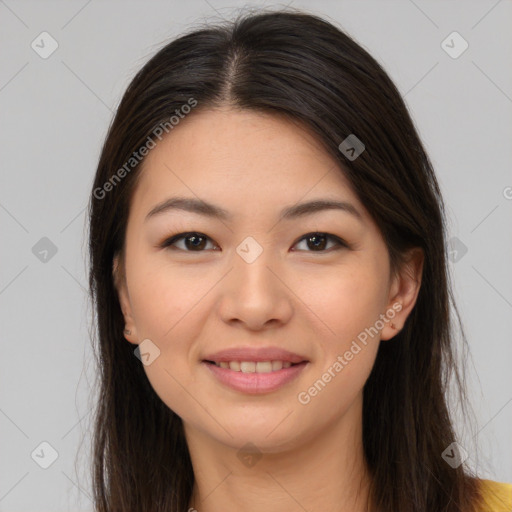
[(313, 302)]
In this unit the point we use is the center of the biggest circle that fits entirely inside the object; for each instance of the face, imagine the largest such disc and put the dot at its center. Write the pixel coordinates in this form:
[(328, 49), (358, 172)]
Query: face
[(299, 301)]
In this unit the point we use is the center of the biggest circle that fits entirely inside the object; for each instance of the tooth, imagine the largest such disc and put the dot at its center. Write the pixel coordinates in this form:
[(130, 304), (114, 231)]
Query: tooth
[(234, 365), (276, 365), (254, 367), (263, 367), (248, 366)]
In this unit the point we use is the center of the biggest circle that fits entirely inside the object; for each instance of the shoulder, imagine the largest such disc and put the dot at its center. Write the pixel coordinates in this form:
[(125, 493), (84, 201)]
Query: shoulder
[(497, 496)]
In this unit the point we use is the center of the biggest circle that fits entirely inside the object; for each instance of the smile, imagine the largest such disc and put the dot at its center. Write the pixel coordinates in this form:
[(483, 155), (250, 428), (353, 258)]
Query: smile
[(254, 377), (253, 366)]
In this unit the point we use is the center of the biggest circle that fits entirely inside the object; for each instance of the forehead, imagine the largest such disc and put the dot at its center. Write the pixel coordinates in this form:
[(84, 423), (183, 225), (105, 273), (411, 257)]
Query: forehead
[(244, 159)]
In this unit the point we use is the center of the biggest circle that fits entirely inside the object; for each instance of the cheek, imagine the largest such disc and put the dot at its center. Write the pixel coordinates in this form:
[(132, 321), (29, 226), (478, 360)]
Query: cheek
[(163, 298), (170, 380), (348, 304), (351, 305), (344, 303), (166, 303)]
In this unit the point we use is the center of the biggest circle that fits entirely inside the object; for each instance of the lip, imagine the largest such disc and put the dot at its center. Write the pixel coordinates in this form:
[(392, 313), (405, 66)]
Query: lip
[(255, 354), (255, 383)]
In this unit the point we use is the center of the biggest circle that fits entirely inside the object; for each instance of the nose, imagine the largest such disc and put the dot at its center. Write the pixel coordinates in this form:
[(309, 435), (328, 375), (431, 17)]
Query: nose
[(255, 294)]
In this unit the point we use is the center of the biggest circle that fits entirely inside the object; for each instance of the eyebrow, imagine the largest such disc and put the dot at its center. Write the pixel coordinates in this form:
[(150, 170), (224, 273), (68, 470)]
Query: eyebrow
[(200, 207)]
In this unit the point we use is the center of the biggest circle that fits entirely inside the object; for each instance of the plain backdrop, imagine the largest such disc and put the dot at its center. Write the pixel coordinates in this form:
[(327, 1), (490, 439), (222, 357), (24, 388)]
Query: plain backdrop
[(55, 112)]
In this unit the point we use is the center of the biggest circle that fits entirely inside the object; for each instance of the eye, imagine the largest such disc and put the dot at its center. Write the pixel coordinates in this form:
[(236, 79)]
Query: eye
[(194, 241), (197, 242), (318, 241)]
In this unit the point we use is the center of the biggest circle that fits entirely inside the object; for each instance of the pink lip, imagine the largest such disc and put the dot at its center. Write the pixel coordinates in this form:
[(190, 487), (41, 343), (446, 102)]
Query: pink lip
[(255, 382), (255, 354)]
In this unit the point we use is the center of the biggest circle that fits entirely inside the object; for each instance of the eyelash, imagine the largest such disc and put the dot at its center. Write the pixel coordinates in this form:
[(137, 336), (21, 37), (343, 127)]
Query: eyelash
[(167, 244)]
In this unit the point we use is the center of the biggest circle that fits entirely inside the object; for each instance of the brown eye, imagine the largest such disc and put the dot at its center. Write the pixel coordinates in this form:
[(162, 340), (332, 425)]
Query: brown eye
[(193, 242), (197, 242), (317, 242)]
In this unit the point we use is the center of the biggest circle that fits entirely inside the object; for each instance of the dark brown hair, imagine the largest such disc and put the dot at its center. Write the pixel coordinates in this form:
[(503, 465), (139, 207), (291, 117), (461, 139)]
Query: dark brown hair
[(297, 65)]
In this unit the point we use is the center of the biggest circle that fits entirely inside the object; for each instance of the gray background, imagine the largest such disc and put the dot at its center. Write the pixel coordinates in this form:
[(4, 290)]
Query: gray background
[(54, 116)]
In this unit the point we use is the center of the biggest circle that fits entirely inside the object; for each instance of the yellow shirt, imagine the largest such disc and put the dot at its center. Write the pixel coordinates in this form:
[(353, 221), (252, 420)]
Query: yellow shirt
[(497, 496)]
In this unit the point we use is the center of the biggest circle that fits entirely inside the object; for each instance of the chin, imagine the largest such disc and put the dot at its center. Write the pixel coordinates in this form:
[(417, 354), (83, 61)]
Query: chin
[(271, 433)]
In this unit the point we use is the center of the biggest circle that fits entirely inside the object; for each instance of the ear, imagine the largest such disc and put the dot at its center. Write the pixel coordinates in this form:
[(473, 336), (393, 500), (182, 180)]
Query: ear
[(403, 292), (119, 277)]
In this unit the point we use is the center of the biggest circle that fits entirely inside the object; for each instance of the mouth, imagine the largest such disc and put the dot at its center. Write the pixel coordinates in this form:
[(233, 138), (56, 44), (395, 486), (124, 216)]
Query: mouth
[(254, 377), (254, 366)]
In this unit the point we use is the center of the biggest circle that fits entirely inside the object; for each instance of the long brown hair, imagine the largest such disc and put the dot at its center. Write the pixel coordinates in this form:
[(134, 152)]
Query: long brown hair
[(299, 66)]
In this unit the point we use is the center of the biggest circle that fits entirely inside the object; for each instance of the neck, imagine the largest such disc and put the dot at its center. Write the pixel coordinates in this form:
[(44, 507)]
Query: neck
[(325, 472)]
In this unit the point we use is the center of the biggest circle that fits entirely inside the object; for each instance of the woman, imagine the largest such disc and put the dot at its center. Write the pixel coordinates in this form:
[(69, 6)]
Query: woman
[(268, 264)]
